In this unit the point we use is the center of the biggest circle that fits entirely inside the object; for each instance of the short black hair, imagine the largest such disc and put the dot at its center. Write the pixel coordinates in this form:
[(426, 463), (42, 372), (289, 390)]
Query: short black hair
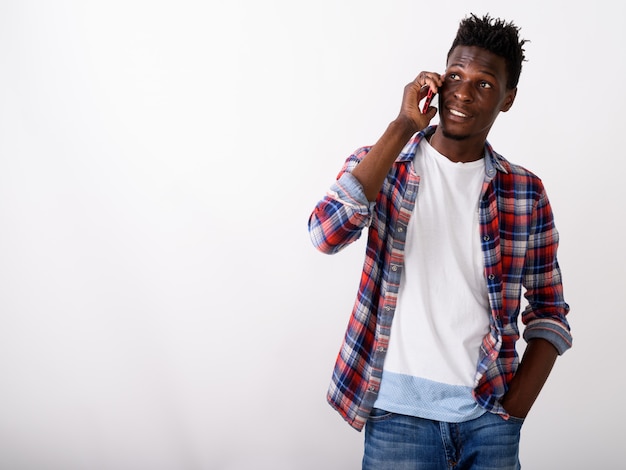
[(498, 37)]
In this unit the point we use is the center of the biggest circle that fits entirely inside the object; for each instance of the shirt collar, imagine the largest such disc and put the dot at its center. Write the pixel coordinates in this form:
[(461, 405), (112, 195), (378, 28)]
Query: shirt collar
[(493, 160)]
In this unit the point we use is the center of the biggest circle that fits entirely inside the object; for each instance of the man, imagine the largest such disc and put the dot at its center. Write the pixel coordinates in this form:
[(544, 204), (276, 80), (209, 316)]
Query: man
[(455, 231)]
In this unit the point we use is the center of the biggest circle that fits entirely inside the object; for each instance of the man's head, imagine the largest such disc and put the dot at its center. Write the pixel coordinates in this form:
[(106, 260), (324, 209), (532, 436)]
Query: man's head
[(480, 82), (496, 36)]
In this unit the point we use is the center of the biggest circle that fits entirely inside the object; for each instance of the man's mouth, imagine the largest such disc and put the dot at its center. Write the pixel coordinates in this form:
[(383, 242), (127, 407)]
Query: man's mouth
[(454, 112)]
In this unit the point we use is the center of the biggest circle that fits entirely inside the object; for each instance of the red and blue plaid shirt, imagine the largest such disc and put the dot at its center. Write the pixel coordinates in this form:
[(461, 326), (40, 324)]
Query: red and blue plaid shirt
[(519, 244)]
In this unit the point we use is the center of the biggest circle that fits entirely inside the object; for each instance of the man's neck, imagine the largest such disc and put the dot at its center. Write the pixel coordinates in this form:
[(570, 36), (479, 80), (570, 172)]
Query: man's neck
[(458, 150)]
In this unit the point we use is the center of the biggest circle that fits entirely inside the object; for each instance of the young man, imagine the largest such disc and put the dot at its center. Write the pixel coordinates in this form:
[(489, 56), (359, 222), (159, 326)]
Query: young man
[(455, 231)]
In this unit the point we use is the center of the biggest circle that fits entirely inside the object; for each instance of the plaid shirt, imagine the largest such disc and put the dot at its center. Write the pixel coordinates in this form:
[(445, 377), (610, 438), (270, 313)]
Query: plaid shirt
[(519, 244)]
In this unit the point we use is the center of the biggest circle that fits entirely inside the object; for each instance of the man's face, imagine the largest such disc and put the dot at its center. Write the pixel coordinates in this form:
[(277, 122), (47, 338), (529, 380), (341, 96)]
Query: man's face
[(473, 94)]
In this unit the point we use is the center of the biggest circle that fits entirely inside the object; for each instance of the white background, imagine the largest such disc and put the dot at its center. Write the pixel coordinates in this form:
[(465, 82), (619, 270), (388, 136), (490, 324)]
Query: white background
[(161, 305)]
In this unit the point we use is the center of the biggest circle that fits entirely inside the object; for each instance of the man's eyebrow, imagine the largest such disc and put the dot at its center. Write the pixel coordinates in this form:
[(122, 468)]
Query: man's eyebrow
[(456, 65), (462, 66)]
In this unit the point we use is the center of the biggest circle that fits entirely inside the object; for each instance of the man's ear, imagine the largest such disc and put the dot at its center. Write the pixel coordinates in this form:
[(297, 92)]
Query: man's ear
[(508, 100)]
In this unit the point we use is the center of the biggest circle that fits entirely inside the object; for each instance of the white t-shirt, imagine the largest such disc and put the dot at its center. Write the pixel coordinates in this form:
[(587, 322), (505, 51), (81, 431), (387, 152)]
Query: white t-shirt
[(443, 309)]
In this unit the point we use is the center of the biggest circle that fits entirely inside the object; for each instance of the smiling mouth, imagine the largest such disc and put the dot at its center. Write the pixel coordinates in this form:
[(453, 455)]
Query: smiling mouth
[(454, 112)]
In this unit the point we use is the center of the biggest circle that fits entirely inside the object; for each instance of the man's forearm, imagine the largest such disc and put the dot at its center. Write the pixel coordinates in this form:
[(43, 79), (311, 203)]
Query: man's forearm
[(373, 169), (530, 377)]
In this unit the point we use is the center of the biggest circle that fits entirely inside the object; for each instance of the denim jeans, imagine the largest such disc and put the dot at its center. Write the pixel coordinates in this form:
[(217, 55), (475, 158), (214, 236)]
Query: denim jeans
[(398, 442)]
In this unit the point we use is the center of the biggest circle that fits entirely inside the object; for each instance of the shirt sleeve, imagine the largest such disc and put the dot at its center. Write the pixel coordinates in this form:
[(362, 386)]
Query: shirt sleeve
[(340, 217), (545, 315)]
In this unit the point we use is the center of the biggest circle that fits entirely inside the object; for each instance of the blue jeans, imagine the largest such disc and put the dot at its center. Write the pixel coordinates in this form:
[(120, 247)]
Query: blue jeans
[(399, 442)]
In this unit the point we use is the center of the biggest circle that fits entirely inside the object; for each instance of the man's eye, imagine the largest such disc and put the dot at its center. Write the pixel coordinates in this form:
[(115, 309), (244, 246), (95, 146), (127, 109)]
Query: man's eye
[(452, 76), (485, 84)]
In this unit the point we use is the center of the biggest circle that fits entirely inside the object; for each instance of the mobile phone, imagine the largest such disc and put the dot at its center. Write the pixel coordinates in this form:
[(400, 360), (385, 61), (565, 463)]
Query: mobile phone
[(429, 98)]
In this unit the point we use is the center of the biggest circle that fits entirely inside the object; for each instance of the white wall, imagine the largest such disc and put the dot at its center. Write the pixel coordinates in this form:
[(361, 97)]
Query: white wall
[(161, 306)]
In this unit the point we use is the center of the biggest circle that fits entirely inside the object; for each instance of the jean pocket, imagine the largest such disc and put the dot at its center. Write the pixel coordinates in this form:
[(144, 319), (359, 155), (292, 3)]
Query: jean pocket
[(380, 415), (515, 420)]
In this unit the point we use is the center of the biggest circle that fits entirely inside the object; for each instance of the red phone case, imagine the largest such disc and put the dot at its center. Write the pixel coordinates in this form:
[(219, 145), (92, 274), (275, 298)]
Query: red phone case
[(429, 98)]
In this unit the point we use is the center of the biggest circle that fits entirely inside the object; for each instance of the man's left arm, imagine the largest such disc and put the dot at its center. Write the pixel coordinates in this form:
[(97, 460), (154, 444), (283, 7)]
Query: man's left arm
[(530, 377), (547, 331)]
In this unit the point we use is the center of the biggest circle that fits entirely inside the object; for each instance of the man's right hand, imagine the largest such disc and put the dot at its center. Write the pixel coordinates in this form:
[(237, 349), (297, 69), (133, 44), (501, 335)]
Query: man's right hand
[(371, 171), (415, 92)]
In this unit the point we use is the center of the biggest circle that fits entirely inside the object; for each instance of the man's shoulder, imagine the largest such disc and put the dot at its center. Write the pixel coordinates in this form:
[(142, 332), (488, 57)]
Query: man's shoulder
[(514, 169)]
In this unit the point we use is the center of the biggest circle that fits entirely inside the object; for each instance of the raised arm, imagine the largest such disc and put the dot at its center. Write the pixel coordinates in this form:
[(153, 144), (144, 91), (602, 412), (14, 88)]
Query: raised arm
[(339, 218), (373, 169)]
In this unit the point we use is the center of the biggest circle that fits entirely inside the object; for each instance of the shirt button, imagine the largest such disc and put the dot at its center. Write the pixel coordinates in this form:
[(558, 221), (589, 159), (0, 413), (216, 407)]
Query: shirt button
[(486, 238), (492, 277), (394, 268), (371, 388), (380, 349), (400, 229)]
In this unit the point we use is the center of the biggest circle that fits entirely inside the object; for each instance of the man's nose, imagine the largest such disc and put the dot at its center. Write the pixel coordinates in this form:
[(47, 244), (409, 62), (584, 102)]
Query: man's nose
[(464, 91)]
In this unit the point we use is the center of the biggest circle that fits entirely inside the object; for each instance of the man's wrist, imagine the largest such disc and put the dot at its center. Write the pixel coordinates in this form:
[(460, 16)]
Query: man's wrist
[(514, 409), (403, 126)]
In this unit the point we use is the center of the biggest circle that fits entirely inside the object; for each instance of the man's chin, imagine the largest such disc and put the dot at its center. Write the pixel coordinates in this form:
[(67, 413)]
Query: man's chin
[(453, 135)]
